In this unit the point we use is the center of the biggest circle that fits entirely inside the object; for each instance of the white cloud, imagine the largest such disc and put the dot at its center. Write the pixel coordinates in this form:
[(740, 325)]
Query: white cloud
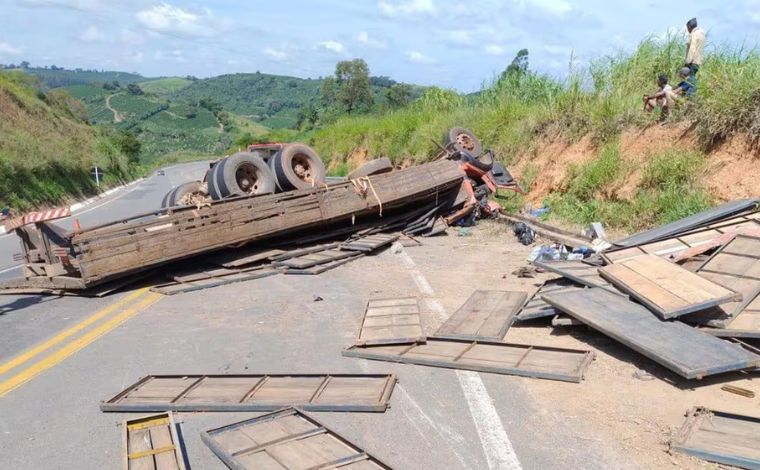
[(82, 5), (406, 7), (137, 57), (419, 58), (132, 38), (92, 34), (555, 7), (364, 38), (494, 49), (334, 46), (459, 36), (168, 19), (554, 49), (7, 49), (278, 55)]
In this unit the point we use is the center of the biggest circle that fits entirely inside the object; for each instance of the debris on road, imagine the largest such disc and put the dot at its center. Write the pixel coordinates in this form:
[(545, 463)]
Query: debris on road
[(152, 443), (286, 439), (738, 391), (721, 437), (485, 316), (251, 392), (391, 321), (568, 365)]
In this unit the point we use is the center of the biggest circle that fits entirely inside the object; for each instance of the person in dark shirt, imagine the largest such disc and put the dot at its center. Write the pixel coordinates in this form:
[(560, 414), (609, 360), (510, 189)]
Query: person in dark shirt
[(687, 87)]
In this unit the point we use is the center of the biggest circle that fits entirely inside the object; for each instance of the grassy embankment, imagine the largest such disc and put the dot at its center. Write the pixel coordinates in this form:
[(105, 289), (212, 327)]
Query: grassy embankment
[(516, 113), (46, 149)]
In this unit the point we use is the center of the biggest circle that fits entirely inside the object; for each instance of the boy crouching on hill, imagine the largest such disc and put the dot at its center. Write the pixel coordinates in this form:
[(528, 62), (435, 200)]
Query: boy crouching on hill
[(666, 96)]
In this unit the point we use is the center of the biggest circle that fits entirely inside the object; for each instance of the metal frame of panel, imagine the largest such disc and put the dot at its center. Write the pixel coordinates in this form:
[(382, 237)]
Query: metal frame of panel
[(671, 344), (247, 402), (585, 358), (507, 304), (231, 458), (698, 416), (419, 338), (148, 422), (652, 266)]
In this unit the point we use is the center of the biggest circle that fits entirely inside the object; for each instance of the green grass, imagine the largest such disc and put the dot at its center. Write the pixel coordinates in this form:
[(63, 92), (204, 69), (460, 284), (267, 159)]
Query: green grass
[(132, 106)]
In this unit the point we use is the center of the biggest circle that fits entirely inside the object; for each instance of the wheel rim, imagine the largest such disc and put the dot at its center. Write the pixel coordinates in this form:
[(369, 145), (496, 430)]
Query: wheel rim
[(302, 167), (247, 178), (465, 141)]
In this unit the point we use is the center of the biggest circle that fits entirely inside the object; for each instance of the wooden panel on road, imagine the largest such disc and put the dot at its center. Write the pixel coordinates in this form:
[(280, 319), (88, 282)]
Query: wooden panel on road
[(679, 347), (152, 443), (391, 321), (666, 288), (250, 392), (286, 440), (486, 315), (536, 307), (716, 436), (567, 365)]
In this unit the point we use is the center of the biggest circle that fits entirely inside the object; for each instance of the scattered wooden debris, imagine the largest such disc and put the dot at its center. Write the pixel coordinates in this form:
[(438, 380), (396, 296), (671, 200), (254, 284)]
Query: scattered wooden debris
[(486, 315), (391, 321), (738, 391), (152, 443)]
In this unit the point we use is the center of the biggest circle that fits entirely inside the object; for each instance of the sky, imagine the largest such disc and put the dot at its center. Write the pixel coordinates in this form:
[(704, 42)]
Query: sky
[(449, 43)]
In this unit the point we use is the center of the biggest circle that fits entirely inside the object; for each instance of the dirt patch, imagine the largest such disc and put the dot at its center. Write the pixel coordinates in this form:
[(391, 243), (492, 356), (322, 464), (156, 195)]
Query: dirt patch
[(732, 169)]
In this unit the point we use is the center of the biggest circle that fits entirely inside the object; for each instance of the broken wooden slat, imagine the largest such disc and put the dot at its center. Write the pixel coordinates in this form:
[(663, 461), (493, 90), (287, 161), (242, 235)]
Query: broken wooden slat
[(541, 362), (536, 307), (314, 259), (721, 437), (681, 348), (486, 315), (252, 392), (152, 442), (287, 440), (564, 320), (370, 243), (738, 391), (319, 269), (176, 287), (666, 288), (391, 321), (236, 259), (578, 271)]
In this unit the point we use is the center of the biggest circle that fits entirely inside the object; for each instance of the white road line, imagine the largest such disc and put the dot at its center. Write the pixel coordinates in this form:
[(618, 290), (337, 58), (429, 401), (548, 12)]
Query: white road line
[(494, 440), (10, 269)]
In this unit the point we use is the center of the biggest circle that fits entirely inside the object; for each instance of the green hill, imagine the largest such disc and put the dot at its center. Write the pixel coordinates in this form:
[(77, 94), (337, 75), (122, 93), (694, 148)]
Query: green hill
[(59, 77), (47, 148), (164, 86)]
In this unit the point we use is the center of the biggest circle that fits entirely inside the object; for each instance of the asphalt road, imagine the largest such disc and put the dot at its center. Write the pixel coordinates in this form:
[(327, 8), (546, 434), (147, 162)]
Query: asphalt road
[(142, 197), (59, 357)]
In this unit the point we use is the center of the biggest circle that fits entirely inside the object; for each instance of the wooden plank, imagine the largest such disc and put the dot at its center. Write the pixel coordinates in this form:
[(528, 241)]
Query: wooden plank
[(536, 307), (370, 243), (319, 269), (152, 442), (391, 321), (682, 349), (249, 392), (174, 288), (486, 315), (286, 440), (577, 271), (666, 288), (746, 324), (567, 365), (721, 437)]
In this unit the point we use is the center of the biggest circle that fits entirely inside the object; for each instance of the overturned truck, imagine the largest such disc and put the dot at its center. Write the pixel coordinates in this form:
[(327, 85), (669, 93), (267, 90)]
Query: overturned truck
[(81, 259)]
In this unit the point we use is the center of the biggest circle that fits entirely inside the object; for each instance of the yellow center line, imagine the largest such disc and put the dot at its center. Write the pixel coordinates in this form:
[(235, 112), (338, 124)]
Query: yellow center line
[(73, 347), (31, 353)]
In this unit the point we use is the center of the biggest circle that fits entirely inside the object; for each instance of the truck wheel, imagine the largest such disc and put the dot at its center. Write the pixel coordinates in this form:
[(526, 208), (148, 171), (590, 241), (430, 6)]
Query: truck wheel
[(165, 200), (186, 189), (297, 166), (240, 174), (372, 167), (463, 139)]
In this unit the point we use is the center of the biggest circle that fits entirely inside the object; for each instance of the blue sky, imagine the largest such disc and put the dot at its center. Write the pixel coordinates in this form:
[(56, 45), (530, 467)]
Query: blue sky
[(450, 43)]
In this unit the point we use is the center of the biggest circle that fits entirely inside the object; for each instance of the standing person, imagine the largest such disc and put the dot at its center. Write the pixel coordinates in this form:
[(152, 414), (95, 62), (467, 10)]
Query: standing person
[(695, 47)]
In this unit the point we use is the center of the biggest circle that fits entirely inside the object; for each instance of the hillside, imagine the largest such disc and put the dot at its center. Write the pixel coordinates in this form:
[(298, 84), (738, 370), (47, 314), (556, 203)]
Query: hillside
[(570, 141), (60, 77), (47, 149)]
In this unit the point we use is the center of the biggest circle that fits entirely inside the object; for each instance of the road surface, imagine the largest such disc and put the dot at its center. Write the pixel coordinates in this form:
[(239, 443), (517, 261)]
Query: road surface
[(59, 357)]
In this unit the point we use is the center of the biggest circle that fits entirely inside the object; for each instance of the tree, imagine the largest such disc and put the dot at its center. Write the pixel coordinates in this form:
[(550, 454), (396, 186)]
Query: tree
[(398, 95), (129, 146), (307, 117), (352, 79), (519, 64), (24, 65), (134, 89), (382, 81), (328, 92)]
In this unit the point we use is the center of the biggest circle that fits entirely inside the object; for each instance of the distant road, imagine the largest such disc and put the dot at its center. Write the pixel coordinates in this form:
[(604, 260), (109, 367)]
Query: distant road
[(137, 199)]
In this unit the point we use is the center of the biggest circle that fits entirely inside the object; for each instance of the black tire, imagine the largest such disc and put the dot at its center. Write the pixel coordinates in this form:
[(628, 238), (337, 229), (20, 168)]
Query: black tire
[(372, 167), (183, 190), (165, 200), (463, 139), (297, 166), (240, 174)]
